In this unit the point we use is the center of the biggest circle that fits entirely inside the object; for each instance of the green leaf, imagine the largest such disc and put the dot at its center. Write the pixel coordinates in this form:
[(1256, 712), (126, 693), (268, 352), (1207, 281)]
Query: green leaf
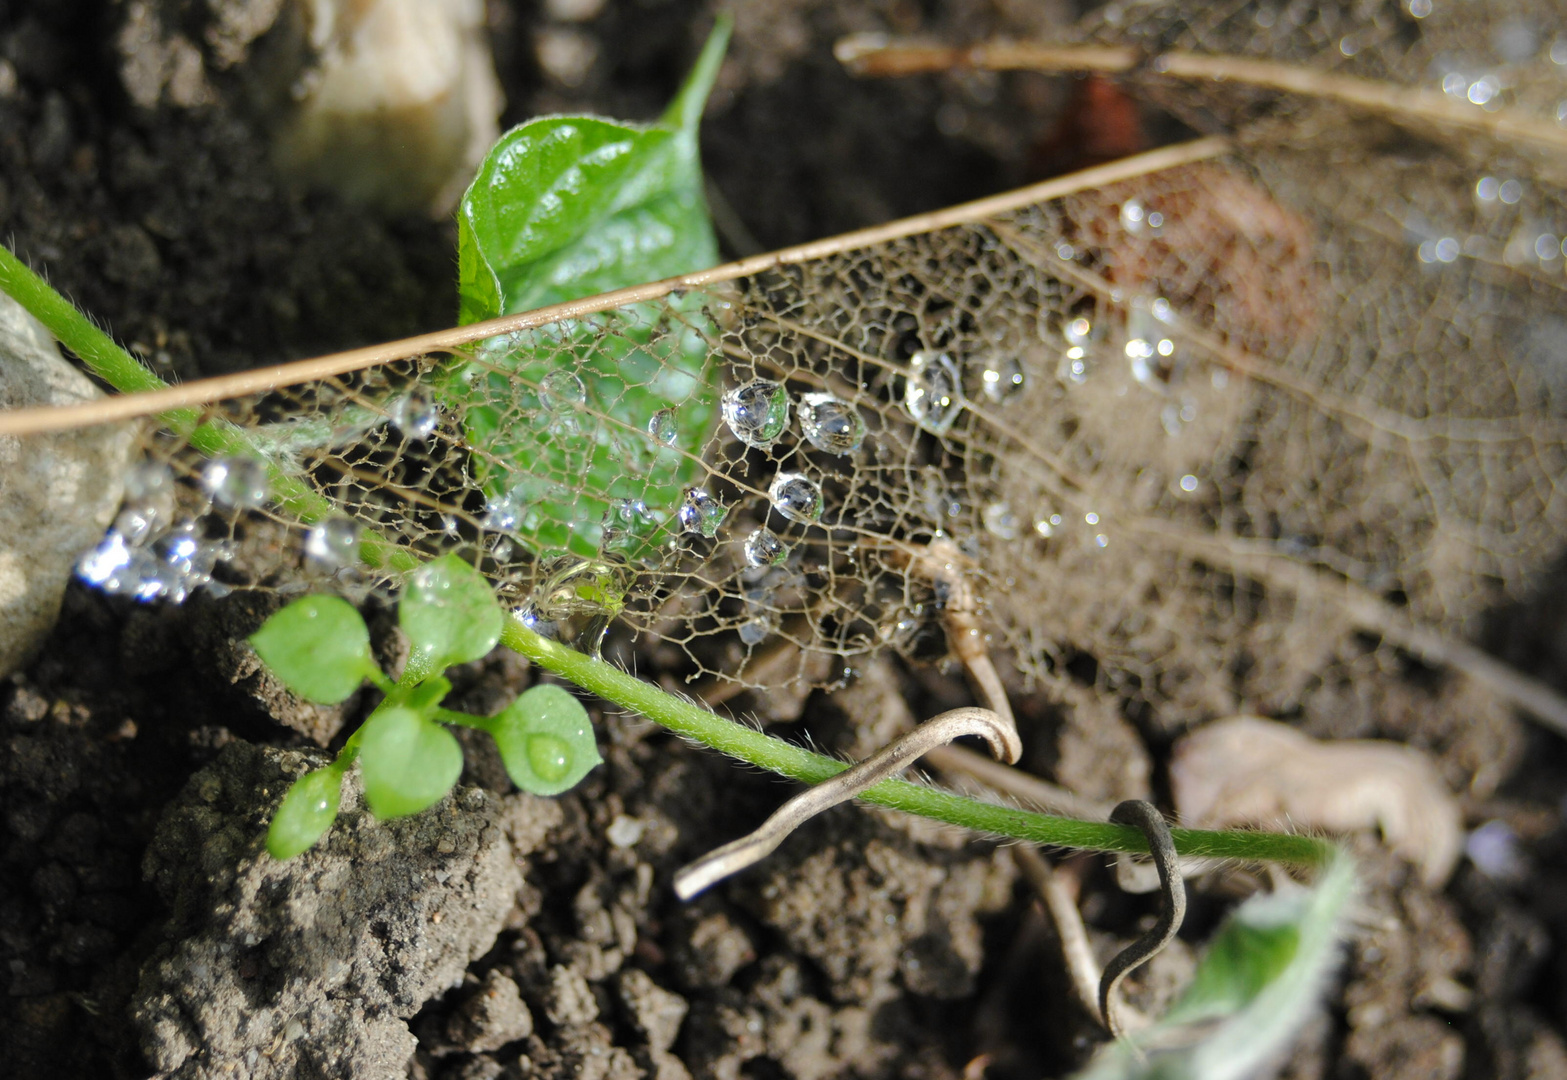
[(407, 760), (450, 615), (319, 647), (1256, 985), (306, 812), (545, 740), (568, 206)]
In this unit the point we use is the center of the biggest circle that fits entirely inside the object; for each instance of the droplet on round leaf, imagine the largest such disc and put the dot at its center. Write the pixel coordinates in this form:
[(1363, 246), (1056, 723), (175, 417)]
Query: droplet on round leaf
[(796, 497), (831, 424), (549, 756), (757, 412)]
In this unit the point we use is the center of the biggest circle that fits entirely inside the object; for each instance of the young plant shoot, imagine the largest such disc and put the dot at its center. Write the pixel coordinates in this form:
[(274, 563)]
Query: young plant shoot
[(320, 648)]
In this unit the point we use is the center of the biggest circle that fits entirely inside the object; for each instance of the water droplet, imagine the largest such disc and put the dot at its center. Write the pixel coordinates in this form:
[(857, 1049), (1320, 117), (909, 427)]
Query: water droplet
[(1102, 540), (561, 391), (577, 599), (830, 424), (663, 427), (764, 548), (1078, 331), (333, 542), (549, 756), (1000, 520), (1188, 483), (755, 630), (503, 511), (757, 412), (1001, 378), (1046, 525), (933, 392), (700, 513), (1146, 338), (137, 524), (415, 413), (1510, 192), (103, 563), (1091, 517), (1132, 216), (796, 497), (148, 482), (236, 482)]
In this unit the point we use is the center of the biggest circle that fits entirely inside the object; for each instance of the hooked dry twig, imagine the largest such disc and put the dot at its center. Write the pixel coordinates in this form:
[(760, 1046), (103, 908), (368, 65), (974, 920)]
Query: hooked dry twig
[(1172, 907), (890, 760)]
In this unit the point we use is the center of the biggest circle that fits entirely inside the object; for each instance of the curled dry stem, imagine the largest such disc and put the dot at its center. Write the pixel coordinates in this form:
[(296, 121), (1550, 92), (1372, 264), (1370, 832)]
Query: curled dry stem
[(1172, 907), (886, 762)]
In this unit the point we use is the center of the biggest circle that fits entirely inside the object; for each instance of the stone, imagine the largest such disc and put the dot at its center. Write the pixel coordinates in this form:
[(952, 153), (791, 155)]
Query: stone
[(58, 491)]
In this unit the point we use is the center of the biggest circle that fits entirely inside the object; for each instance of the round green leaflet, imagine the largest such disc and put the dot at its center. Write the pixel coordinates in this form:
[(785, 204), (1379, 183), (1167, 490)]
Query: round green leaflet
[(546, 740), (408, 762), (450, 616), (307, 812), (319, 647)]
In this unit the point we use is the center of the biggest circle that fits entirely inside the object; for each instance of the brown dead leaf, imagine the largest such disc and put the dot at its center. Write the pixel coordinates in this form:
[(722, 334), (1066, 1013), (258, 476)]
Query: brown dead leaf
[(1251, 771)]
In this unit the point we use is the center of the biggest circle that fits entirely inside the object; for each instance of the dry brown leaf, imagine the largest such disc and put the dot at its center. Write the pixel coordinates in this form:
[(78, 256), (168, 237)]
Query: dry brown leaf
[(1251, 771)]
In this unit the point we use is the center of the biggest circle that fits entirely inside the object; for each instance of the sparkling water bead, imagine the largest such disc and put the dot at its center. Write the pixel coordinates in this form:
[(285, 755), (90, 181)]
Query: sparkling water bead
[(239, 483), (562, 391), (933, 392), (764, 548), (1000, 521), (796, 497), (549, 756), (757, 412), (1001, 378), (755, 630), (333, 543), (700, 513), (662, 427), (831, 424), (414, 414)]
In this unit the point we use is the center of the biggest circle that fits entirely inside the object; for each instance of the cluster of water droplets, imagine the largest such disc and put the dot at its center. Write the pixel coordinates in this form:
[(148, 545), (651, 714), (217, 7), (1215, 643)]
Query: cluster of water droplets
[(149, 552)]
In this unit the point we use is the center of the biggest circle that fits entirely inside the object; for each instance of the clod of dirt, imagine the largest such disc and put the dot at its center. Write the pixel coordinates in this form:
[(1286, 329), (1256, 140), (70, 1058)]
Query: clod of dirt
[(57, 492), (1250, 771), (874, 910), (276, 969), (656, 1012), (494, 1016)]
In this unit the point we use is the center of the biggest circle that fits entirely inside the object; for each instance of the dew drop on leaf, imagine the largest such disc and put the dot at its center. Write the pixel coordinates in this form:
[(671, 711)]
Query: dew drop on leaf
[(562, 391), (503, 511), (757, 412), (831, 424), (796, 497), (1000, 521), (754, 630), (549, 756), (700, 513), (662, 427), (414, 414), (333, 543), (1001, 378), (933, 393), (236, 482), (764, 548)]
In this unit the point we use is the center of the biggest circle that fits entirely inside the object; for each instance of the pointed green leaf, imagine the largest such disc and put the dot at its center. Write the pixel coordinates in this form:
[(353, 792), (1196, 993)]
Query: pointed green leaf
[(408, 762), (306, 812), (450, 615), (546, 741), (567, 206), (318, 646)]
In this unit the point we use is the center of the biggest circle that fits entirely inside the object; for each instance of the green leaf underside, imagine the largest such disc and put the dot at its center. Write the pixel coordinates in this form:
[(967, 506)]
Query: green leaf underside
[(318, 646), (546, 740), (1256, 985), (408, 762), (307, 811), (565, 207), (449, 613)]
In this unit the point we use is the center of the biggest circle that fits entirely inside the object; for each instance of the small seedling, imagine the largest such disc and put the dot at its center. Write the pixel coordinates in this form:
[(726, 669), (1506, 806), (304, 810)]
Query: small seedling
[(319, 647)]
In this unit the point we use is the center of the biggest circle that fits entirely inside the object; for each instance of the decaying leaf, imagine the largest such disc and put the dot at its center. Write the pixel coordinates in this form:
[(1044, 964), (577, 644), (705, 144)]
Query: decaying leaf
[(1204, 429), (1250, 771)]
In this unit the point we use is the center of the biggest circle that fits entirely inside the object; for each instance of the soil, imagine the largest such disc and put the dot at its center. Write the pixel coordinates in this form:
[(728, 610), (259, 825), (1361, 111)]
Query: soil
[(869, 946)]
